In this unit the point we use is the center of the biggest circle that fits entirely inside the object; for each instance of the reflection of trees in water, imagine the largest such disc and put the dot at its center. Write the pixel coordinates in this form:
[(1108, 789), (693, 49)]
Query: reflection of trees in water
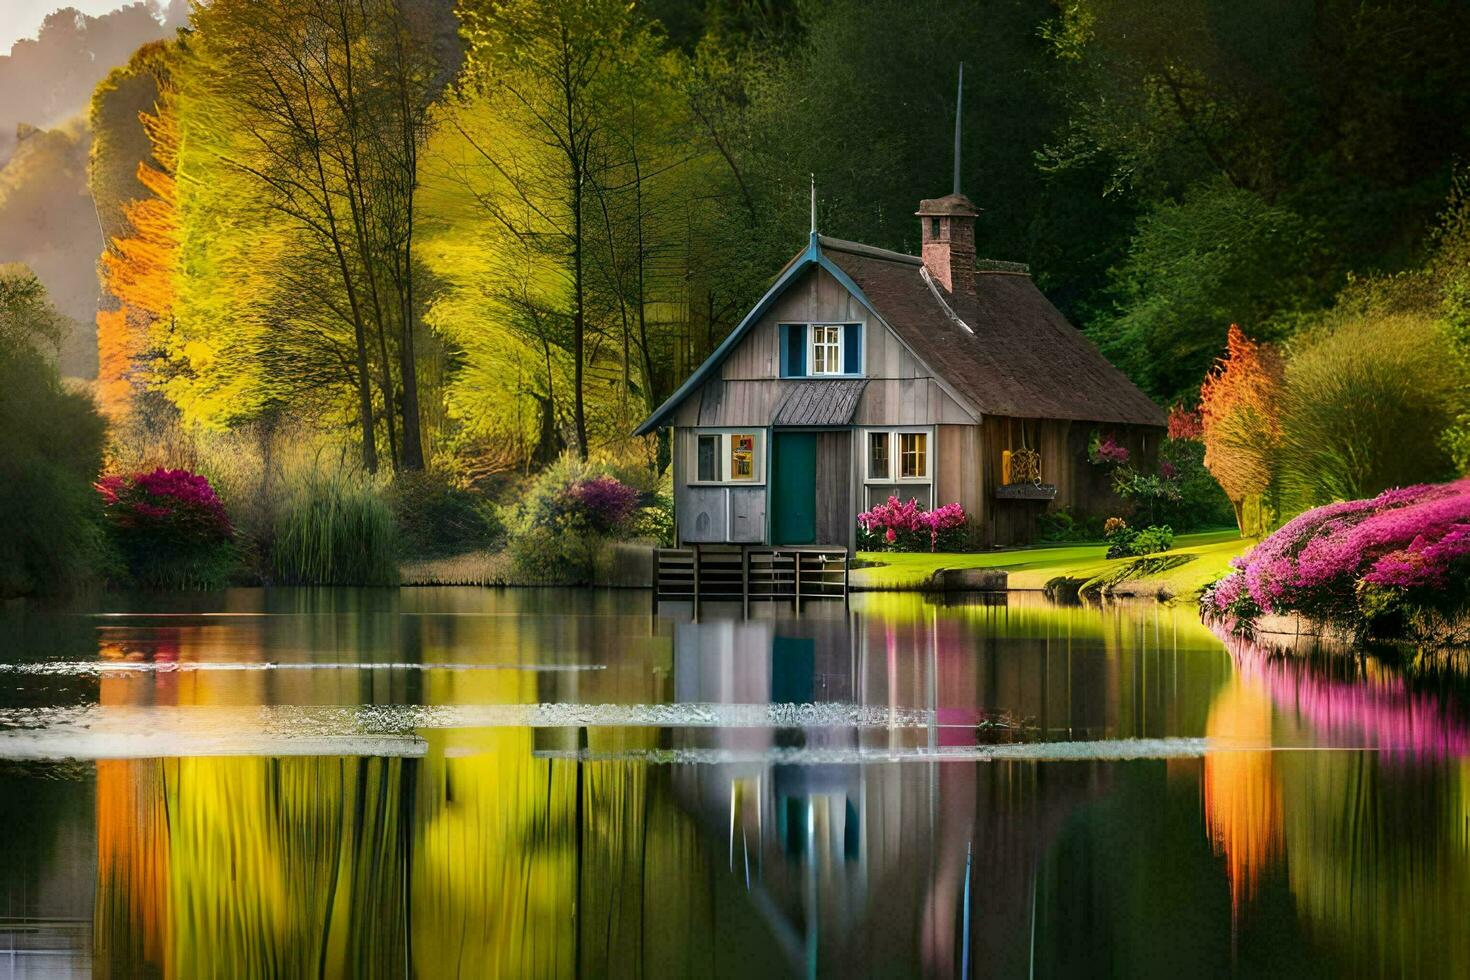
[(496, 863), (1377, 858), (277, 867), (1241, 800), (1375, 844)]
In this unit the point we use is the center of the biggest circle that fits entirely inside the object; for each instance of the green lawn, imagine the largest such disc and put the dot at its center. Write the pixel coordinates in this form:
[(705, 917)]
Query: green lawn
[(1195, 560)]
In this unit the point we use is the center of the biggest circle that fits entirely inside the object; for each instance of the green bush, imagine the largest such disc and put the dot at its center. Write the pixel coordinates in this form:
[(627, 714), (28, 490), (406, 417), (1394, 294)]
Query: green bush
[(655, 519), (1365, 405), (572, 509), (335, 529), (1220, 253), (1125, 542), (51, 443), (1059, 526), (437, 517), (1198, 500)]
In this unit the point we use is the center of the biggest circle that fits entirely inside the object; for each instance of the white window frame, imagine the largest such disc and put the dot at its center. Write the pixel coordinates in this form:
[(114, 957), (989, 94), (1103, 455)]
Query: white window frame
[(894, 470), (723, 459), (834, 348)]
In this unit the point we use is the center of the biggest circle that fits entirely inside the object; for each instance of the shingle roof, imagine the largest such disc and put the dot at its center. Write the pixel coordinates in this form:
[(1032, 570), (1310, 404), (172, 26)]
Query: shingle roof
[(1010, 352), (1023, 358), (819, 402)]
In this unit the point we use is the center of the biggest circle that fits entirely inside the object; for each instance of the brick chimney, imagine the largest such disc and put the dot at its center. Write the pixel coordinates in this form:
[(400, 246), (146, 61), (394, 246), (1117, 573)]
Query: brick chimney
[(947, 229)]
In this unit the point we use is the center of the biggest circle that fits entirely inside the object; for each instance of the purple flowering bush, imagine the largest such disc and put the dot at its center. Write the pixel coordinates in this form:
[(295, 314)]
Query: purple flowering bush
[(170, 528), (1362, 564), (897, 525), (603, 503)]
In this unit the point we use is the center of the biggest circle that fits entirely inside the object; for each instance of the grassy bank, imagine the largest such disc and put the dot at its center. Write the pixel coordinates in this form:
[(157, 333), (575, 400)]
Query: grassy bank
[(1195, 560)]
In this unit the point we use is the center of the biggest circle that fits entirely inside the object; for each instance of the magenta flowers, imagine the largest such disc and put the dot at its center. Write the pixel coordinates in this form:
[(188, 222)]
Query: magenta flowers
[(1347, 560), (604, 501), (166, 501), (170, 529), (1106, 451), (897, 525)]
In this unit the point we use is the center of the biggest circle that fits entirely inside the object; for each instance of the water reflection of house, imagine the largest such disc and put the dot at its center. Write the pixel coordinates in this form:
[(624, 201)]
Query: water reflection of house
[(868, 867)]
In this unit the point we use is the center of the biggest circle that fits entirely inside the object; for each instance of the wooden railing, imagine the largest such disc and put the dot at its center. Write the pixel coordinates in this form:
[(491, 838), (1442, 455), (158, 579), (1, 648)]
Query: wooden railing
[(742, 573)]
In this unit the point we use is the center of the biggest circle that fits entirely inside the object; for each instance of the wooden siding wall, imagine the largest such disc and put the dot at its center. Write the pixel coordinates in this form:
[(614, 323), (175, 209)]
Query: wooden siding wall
[(900, 390), (1082, 488), (834, 488), (957, 475), (714, 514)]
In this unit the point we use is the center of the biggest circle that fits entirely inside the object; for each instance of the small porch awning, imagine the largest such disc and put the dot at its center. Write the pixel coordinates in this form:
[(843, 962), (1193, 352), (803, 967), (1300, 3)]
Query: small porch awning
[(819, 403)]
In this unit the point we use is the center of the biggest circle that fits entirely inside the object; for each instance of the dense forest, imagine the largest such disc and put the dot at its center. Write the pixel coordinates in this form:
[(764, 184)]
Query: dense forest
[(508, 228), (475, 236)]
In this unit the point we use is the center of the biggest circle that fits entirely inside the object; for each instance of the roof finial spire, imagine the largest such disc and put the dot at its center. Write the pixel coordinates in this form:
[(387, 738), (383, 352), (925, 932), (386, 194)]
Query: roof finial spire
[(959, 103), (814, 204)]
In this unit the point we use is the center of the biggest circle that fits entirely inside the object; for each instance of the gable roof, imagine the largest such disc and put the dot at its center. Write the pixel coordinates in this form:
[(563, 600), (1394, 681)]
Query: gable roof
[(1012, 353)]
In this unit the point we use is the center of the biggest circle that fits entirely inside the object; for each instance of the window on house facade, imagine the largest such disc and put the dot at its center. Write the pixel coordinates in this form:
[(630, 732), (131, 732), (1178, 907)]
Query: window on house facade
[(913, 455), (878, 468), (826, 348), (899, 456), (707, 459), (742, 456), (934, 228), (821, 349), (728, 456)]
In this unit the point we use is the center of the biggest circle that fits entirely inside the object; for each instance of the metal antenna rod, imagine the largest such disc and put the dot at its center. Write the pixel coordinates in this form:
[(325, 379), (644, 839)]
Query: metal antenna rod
[(814, 204), (959, 105)]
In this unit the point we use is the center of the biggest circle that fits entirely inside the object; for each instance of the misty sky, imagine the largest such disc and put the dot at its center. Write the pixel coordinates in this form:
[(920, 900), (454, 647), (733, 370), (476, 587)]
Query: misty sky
[(22, 18)]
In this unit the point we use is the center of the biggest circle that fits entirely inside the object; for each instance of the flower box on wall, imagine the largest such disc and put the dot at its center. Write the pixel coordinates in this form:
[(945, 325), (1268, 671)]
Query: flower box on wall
[(1026, 491)]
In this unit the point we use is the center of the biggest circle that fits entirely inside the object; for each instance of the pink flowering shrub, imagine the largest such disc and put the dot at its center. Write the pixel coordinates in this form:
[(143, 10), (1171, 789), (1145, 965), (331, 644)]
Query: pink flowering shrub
[(169, 527), (1105, 450), (897, 525), (1358, 560)]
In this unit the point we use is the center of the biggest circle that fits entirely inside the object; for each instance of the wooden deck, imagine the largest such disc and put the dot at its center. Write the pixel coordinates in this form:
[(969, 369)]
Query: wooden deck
[(746, 573)]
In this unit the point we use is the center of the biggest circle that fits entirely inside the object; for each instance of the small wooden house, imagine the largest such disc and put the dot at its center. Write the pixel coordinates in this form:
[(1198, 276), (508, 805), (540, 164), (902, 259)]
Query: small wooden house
[(864, 373)]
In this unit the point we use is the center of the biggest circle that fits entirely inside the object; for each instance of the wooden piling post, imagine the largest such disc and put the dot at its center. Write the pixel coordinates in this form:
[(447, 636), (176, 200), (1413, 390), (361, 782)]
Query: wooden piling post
[(745, 581), (696, 583), (796, 565)]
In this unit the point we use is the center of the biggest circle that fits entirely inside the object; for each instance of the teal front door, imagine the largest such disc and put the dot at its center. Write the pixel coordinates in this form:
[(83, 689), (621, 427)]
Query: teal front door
[(794, 489)]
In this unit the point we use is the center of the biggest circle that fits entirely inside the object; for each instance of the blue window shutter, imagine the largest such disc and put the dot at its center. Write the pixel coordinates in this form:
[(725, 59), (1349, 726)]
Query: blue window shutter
[(852, 348), (793, 350)]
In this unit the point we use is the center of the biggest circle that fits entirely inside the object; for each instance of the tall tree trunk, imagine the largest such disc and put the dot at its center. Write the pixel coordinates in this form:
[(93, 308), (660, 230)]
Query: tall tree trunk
[(386, 383), (579, 322), (413, 446)]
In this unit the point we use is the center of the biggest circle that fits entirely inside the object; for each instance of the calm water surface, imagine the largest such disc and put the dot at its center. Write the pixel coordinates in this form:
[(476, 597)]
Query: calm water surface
[(444, 782)]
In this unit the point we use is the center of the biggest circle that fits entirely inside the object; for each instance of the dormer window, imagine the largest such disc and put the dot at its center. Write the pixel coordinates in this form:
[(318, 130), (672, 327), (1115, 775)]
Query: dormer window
[(821, 350)]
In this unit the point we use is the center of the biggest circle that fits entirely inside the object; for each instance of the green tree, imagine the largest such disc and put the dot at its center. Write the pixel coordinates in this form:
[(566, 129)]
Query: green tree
[(1364, 406), (1220, 256), (50, 450), (328, 101)]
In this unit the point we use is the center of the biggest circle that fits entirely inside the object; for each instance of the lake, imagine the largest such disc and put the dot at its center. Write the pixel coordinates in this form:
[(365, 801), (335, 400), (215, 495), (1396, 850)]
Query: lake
[(471, 782)]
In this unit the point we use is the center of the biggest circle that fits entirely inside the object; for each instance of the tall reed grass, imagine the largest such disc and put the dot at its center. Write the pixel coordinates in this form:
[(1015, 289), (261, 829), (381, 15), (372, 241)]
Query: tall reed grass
[(303, 511), (334, 529)]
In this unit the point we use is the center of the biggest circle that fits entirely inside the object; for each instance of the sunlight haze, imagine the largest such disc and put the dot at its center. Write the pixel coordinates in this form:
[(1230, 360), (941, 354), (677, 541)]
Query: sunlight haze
[(22, 18)]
